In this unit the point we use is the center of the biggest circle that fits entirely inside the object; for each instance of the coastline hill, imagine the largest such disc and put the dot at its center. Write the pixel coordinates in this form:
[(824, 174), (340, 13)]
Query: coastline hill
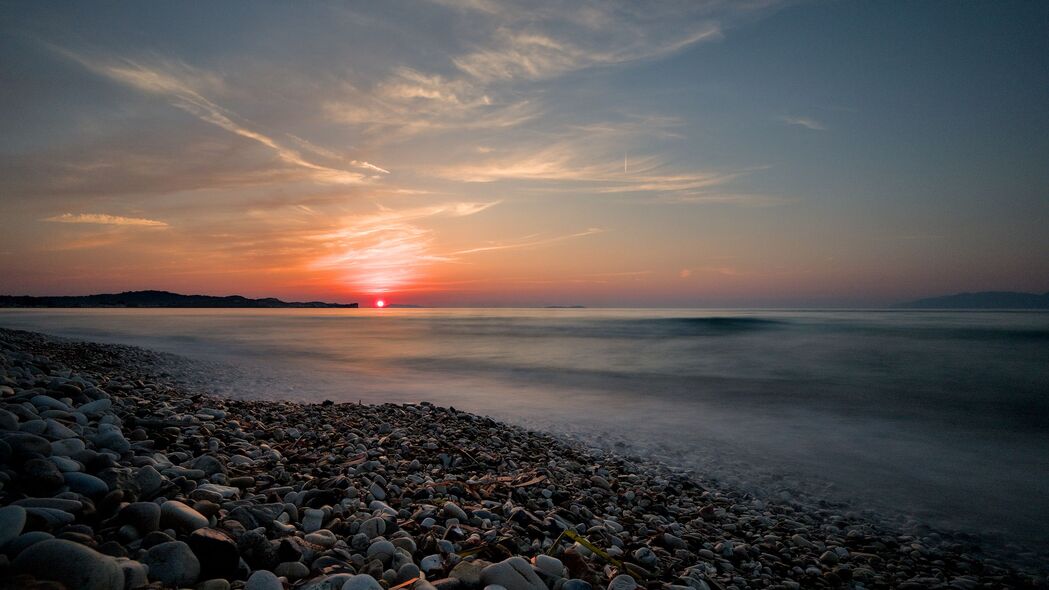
[(982, 300), (158, 299)]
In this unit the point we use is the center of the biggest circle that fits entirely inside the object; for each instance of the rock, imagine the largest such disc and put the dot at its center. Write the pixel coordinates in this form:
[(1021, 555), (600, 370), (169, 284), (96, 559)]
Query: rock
[(178, 516), (68, 447), (72, 564), (208, 464), (313, 520), (829, 558), (373, 527), (361, 582), (172, 563), (25, 540), (86, 484), (263, 580), (40, 476), (622, 582), (452, 510), (25, 446), (377, 492), (96, 408), (8, 421), (382, 550), (431, 563), (217, 553), (214, 584), (144, 516), (12, 521), (149, 481), (468, 572), (293, 570), (514, 573), (136, 575), (112, 439), (550, 565)]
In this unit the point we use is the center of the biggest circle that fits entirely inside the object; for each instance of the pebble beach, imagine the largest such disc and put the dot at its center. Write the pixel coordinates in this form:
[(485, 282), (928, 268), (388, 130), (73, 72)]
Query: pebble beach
[(114, 475)]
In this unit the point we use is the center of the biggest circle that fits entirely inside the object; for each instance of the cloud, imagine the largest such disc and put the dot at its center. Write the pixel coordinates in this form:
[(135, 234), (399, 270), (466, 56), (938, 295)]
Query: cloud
[(806, 122), (386, 250), (180, 84), (527, 242), (535, 56), (103, 219), (685, 273), (409, 102)]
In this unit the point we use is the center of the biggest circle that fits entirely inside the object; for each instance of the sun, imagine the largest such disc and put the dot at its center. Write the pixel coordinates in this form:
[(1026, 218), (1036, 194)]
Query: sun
[(380, 303)]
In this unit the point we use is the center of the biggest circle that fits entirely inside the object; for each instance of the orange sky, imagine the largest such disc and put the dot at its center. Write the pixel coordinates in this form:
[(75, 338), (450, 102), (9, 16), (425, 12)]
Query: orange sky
[(504, 153)]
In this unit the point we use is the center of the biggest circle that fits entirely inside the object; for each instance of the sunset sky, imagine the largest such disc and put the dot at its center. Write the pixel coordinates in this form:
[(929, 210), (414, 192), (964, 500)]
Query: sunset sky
[(515, 153)]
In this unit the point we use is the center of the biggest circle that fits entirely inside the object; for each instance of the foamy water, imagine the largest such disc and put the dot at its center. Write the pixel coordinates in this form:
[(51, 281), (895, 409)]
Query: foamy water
[(940, 415)]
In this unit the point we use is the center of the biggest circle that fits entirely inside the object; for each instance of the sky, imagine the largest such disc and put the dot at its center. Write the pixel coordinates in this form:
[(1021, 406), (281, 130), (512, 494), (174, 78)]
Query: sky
[(490, 152)]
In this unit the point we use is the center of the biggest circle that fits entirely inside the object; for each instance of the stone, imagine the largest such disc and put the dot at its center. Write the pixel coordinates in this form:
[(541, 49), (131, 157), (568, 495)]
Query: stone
[(293, 570), (112, 439), (313, 520), (149, 481), (178, 516), (19, 544), (136, 574), (361, 582), (172, 563), (373, 527), (40, 476), (86, 484), (468, 572), (550, 565), (12, 521), (514, 573), (622, 582), (72, 564), (144, 516), (452, 510), (263, 580), (25, 446), (216, 551), (382, 550), (213, 584), (96, 408), (68, 447)]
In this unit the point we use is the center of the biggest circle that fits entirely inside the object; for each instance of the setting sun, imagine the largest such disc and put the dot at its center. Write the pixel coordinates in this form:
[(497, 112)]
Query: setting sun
[(380, 303)]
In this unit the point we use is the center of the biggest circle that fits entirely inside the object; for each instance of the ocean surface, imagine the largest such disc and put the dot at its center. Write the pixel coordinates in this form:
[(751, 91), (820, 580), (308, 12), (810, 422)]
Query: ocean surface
[(929, 417)]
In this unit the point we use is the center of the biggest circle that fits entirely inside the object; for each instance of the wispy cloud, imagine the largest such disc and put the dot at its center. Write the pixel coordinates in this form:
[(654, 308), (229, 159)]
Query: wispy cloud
[(382, 251), (528, 242), (806, 122), (179, 83), (103, 219), (536, 56)]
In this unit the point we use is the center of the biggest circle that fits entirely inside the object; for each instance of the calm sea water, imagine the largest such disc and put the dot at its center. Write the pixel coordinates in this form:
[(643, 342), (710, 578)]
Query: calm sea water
[(943, 416)]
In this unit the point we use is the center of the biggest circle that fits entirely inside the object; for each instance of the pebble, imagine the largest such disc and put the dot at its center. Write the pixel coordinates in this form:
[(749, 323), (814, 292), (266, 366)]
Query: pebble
[(366, 497), (177, 515), (263, 580), (69, 563), (12, 521), (513, 573), (172, 563)]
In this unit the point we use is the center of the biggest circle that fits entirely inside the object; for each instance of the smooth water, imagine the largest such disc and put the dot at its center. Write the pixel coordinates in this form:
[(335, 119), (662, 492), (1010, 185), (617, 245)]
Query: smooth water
[(940, 415)]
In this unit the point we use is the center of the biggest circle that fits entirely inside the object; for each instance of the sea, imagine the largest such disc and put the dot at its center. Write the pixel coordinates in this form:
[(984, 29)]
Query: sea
[(925, 418)]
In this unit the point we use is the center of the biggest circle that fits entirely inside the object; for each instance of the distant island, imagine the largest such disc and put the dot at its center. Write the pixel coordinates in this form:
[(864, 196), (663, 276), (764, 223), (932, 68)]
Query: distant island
[(159, 299), (403, 306), (982, 300)]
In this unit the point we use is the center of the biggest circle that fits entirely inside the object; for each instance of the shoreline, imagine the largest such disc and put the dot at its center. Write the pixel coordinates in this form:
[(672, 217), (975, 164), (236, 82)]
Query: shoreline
[(371, 496)]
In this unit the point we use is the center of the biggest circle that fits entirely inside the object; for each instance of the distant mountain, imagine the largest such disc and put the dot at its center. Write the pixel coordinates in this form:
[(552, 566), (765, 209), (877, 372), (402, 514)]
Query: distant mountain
[(983, 300), (403, 306), (156, 299)]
